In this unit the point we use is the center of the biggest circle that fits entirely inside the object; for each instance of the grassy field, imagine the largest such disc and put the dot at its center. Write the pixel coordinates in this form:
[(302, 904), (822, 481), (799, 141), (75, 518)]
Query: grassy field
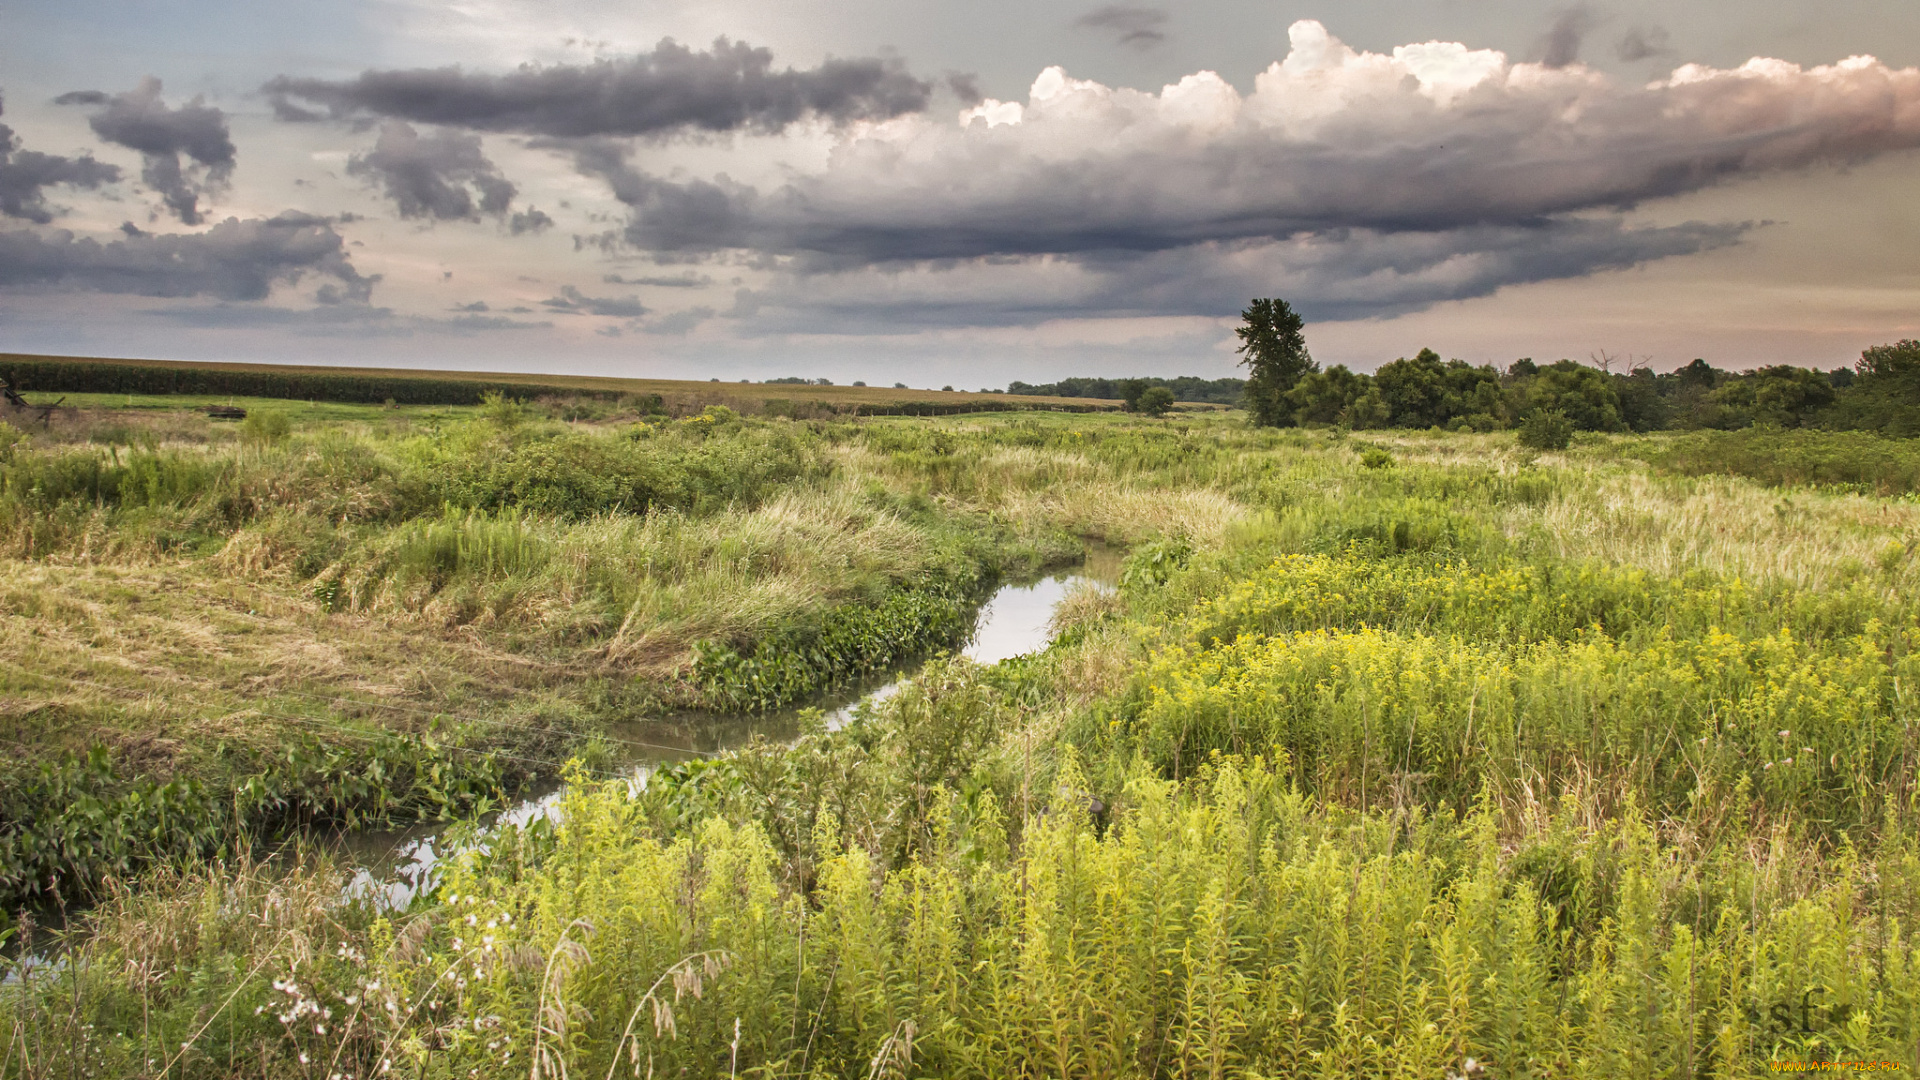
[(1416, 754)]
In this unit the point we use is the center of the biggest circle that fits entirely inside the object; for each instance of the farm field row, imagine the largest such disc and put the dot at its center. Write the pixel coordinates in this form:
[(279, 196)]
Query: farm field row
[(196, 380)]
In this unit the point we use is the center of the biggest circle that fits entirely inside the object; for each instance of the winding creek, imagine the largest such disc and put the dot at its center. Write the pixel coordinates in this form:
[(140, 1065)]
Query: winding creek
[(392, 866)]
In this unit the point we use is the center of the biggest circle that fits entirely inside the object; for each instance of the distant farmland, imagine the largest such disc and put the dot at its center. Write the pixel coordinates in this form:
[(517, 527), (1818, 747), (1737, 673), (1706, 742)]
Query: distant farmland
[(73, 374)]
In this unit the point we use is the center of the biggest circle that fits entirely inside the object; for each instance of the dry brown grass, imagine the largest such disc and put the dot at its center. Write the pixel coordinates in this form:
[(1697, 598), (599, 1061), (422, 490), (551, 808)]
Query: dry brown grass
[(162, 658)]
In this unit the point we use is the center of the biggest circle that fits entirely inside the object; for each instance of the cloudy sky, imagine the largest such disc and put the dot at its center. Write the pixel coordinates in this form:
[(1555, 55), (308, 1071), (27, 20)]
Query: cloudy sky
[(929, 192)]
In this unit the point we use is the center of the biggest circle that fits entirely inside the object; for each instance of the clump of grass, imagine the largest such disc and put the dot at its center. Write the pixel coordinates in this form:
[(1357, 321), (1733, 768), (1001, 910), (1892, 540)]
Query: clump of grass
[(266, 427)]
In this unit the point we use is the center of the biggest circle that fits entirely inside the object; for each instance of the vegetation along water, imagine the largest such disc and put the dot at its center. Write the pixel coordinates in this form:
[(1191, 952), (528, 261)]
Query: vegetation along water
[(1389, 751)]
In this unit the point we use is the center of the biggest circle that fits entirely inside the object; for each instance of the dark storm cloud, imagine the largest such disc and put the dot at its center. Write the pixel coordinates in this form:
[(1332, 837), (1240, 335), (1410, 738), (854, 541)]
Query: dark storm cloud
[(673, 89), (680, 323), (26, 174), (1351, 274), (437, 175), (966, 87), (1438, 139), (233, 260), (1139, 27), (1561, 44), (140, 120), (343, 321), (686, 280), (531, 220), (574, 302), (1643, 43)]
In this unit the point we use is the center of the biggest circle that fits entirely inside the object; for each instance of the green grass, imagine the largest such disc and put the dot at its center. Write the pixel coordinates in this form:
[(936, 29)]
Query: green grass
[(1555, 762), (1862, 461)]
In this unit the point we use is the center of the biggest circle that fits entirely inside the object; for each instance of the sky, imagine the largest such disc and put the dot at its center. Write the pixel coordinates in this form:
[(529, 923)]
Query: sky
[(956, 194)]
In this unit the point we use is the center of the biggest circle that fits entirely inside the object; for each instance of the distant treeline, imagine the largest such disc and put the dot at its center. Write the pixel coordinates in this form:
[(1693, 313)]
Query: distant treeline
[(1879, 393), (1185, 388), (928, 408), (95, 377)]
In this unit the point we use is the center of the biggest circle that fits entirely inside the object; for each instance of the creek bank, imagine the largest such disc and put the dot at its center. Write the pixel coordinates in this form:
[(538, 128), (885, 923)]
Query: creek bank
[(391, 867)]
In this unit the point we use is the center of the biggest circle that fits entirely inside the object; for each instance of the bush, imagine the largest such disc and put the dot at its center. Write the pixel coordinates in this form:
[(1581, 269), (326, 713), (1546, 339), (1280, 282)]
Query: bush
[(507, 412), (1546, 429), (1156, 400), (1376, 458), (265, 427)]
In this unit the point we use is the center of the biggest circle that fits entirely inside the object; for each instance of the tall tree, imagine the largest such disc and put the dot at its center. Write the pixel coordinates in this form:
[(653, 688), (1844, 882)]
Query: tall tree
[(1275, 349)]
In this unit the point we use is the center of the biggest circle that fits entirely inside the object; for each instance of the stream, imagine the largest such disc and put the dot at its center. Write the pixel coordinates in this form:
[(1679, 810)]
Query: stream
[(392, 866)]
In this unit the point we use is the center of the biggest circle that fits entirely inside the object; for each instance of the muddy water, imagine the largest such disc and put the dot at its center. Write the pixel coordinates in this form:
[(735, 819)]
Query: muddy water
[(393, 866)]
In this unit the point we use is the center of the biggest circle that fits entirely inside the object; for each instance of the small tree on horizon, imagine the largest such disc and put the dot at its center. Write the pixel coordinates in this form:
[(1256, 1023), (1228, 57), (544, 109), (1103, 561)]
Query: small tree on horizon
[(1274, 346), (1155, 401)]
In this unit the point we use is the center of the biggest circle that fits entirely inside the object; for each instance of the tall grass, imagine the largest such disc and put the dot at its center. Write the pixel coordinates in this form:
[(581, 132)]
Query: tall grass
[(1487, 763), (1863, 461), (1224, 927)]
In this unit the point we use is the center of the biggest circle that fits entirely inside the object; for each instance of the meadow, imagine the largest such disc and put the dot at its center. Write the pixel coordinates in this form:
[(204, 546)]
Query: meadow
[(1393, 753)]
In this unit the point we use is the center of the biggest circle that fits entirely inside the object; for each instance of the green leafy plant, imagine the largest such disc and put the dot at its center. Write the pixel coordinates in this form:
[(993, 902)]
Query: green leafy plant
[(1546, 429), (1155, 401), (266, 427), (1151, 564)]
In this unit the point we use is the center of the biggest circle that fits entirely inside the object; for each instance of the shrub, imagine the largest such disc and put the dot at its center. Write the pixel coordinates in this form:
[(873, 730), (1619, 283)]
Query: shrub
[(1376, 458), (266, 427), (1546, 429), (502, 410), (1156, 400)]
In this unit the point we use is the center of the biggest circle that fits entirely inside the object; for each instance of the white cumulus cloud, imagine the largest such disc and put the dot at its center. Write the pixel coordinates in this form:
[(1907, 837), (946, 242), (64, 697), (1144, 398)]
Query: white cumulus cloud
[(1452, 171)]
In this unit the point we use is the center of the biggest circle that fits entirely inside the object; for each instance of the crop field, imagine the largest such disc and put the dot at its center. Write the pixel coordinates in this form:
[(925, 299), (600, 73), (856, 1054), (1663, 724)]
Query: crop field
[(170, 384), (1392, 753)]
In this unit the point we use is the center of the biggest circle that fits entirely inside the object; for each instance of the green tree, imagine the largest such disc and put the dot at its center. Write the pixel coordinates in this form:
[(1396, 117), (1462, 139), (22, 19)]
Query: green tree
[(1274, 345), (1426, 392), (1131, 391), (1885, 394), (1324, 397), (1546, 429), (1781, 395), (1369, 410), (1585, 395), (1155, 401), (1642, 405)]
